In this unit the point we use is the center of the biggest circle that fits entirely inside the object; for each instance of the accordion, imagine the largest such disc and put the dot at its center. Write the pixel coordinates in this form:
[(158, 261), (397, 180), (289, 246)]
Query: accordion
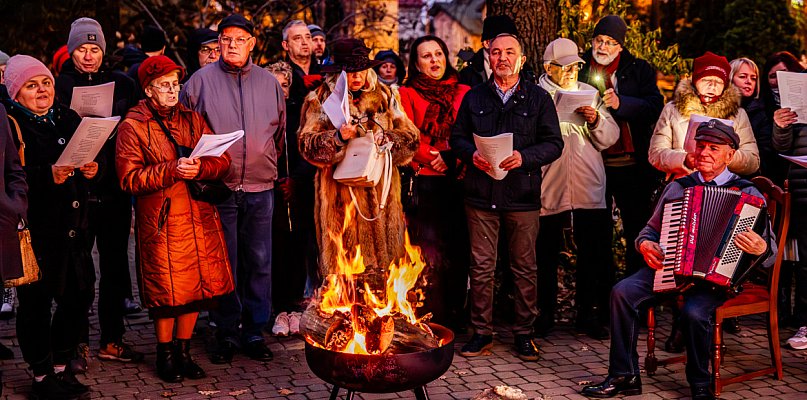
[(697, 236)]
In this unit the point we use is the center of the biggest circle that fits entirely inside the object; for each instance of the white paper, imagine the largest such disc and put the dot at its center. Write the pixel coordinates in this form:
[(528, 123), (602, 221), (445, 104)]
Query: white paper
[(87, 141), (568, 101), (215, 145), (799, 160), (93, 101), (337, 105), (494, 150), (694, 121), (793, 93)]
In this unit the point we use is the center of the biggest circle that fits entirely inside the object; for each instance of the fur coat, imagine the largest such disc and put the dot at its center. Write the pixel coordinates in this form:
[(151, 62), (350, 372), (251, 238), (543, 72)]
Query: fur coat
[(382, 240), (667, 144)]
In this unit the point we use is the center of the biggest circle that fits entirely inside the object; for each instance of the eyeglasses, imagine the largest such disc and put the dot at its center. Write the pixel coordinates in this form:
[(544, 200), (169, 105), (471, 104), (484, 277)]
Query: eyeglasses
[(712, 82), (240, 41), (568, 68), (166, 87), (205, 51), (605, 43)]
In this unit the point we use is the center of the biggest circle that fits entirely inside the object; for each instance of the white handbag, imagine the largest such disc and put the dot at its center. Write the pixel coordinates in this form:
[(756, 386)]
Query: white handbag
[(365, 165)]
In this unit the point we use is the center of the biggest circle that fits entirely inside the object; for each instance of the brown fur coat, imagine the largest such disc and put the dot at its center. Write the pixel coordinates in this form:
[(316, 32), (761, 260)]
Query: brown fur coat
[(667, 143), (381, 240)]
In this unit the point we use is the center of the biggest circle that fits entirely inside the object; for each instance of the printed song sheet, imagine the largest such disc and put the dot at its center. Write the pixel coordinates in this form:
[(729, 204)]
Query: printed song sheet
[(494, 149), (694, 121), (793, 92), (215, 145), (337, 105), (93, 101), (566, 102), (87, 141)]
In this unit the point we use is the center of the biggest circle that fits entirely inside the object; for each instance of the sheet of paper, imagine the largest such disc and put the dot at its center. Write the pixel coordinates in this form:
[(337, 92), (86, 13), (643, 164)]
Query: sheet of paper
[(215, 145), (567, 101), (87, 141), (337, 105), (799, 160), (494, 149), (694, 121), (793, 93), (93, 101)]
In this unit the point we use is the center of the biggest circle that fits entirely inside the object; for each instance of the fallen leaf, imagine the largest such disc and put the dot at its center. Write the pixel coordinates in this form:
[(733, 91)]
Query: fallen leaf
[(442, 377), (168, 394), (209, 392), (294, 359), (584, 383), (584, 348), (285, 392), (238, 392), (462, 373)]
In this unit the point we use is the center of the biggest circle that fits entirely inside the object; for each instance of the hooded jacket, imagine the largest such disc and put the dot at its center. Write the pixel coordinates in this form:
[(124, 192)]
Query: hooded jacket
[(250, 99), (576, 180), (382, 240), (666, 151), (182, 256)]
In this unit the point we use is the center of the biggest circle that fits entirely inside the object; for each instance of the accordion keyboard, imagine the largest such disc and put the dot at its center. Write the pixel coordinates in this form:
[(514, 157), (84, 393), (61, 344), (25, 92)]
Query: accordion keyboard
[(671, 223)]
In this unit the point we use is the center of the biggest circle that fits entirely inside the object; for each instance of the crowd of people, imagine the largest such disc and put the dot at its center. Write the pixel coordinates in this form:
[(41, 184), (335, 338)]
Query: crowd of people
[(255, 254)]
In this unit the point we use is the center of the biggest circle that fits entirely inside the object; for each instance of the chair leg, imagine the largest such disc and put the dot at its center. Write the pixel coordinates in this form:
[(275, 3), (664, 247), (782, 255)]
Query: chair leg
[(716, 358), (773, 343), (650, 361)]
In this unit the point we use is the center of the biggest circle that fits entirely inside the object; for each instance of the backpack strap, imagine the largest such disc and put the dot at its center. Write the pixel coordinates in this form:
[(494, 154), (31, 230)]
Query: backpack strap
[(17, 129)]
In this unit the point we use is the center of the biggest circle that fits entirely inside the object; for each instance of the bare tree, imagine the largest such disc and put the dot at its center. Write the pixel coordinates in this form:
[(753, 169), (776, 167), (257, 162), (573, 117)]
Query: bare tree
[(537, 22)]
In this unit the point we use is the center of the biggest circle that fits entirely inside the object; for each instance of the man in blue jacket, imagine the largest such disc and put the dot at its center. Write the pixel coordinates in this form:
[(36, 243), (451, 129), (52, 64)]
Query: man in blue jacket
[(505, 104)]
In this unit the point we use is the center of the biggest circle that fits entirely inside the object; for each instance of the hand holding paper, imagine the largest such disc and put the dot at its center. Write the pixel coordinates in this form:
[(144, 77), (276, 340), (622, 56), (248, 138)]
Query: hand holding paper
[(215, 145), (793, 92), (495, 150), (337, 105), (93, 101), (567, 102), (87, 141)]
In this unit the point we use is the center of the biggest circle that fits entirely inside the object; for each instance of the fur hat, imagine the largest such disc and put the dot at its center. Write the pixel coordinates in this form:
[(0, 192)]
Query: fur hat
[(496, 25), (612, 26), (349, 55), (714, 131), (21, 69), (155, 67), (711, 64), (83, 31)]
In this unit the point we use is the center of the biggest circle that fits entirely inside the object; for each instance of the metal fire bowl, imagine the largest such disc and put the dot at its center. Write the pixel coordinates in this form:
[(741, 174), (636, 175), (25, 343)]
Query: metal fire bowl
[(383, 373)]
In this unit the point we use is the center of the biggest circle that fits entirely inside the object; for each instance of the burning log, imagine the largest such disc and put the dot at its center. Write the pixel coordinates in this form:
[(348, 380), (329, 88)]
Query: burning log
[(410, 338)]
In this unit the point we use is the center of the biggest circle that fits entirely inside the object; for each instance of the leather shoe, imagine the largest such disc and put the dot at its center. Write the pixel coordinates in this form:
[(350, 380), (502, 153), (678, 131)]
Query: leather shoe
[(702, 393), (223, 354), (258, 351), (614, 385)]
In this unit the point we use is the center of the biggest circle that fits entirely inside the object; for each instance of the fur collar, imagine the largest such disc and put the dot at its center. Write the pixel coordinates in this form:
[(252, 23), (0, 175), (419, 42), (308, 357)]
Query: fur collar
[(369, 104), (687, 102)]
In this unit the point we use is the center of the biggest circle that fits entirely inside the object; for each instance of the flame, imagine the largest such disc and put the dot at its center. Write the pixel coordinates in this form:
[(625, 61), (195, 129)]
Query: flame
[(340, 291)]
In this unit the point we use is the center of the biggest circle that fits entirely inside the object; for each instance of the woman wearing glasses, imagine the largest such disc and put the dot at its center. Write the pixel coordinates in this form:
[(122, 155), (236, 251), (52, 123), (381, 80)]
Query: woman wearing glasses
[(182, 257), (710, 93), (203, 49), (375, 110)]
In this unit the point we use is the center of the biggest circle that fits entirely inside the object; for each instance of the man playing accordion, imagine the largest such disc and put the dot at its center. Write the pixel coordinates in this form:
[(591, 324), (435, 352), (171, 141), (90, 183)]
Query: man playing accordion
[(716, 144)]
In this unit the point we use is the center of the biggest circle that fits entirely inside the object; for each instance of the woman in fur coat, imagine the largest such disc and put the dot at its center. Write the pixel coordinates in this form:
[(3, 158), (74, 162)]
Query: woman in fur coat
[(373, 107), (711, 94)]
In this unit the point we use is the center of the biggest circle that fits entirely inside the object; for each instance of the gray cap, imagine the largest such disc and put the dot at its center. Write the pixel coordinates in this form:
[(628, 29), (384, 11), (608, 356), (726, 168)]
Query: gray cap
[(316, 30), (3, 58), (83, 31)]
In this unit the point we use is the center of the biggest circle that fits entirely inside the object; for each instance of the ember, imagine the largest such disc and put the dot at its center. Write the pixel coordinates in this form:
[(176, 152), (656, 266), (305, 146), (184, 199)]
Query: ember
[(350, 316)]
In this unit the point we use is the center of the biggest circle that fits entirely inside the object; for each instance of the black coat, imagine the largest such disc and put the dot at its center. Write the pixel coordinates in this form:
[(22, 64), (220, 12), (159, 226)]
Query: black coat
[(770, 164), (57, 214), (530, 115), (13, 202), (793, 141), (640, 101), (299, 168)]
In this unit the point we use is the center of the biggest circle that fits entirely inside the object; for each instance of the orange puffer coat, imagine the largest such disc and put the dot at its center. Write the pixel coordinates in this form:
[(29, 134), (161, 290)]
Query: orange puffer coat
[(181, 250)]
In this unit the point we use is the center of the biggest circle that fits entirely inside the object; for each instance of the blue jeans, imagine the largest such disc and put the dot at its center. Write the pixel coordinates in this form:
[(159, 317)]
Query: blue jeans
[(697, 322), (246, 219)]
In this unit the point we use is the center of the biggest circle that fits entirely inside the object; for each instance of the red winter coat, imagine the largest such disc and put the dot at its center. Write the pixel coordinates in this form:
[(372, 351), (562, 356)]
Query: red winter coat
[(414, 106), (182, 256)]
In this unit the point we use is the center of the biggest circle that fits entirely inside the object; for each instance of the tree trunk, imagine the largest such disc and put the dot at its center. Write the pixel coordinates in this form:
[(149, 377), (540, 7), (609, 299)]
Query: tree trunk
[(537, 22)]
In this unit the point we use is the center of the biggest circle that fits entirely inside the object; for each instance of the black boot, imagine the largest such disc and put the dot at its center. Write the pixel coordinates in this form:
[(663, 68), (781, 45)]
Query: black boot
[(614, 385), (168, 368), (182, 353)]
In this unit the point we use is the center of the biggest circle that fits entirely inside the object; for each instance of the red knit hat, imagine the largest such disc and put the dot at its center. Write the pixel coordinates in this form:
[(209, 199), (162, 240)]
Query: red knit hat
[(155, 67), (711, 64)]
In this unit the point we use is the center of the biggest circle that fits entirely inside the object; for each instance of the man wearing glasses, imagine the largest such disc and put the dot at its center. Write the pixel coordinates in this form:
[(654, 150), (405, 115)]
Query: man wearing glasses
[(628, 87), (236, 94), (573, 195)]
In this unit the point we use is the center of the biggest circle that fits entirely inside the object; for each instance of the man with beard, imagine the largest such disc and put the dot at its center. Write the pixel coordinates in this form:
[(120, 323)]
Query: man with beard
[(318, 40), (478, 69), (628, 87), (507, 103)]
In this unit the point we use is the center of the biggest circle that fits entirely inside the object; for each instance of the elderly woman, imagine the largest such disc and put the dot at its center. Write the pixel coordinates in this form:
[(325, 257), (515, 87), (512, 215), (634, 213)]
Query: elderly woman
[(182, 257), (708, 93), (373, 108), (203, 49), (391, 71), (57, 217), (431, 98)]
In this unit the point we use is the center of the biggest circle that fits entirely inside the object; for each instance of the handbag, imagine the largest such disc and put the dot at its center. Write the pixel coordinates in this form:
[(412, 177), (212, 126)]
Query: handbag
[(213, 192), (30, 267), (365, 165)]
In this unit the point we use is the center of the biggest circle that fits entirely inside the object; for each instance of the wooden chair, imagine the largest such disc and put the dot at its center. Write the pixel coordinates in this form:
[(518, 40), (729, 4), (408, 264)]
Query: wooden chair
[(754, 299)]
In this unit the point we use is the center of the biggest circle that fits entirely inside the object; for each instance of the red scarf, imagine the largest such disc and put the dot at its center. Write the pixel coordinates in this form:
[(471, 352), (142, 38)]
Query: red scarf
[(440, 95), (624, 145)]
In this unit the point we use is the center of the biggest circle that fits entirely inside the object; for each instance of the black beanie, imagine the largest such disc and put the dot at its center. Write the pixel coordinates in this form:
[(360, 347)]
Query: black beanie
[(152, 39), (613, 26), (496, 25)]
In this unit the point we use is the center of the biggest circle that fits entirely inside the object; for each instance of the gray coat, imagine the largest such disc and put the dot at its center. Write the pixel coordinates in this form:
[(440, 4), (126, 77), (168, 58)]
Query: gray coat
[(250, 99), (13, 202)]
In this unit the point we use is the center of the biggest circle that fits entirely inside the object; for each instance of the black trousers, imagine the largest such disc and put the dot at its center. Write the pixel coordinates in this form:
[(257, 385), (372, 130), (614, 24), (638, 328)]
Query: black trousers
[(631, 188), (595, 268)]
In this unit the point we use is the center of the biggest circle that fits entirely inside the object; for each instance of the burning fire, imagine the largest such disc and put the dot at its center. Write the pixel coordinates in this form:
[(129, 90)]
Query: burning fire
[(340, 292)]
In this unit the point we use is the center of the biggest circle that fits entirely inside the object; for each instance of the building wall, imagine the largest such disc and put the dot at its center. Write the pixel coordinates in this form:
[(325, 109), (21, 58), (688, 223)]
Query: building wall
[(454, 34)]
